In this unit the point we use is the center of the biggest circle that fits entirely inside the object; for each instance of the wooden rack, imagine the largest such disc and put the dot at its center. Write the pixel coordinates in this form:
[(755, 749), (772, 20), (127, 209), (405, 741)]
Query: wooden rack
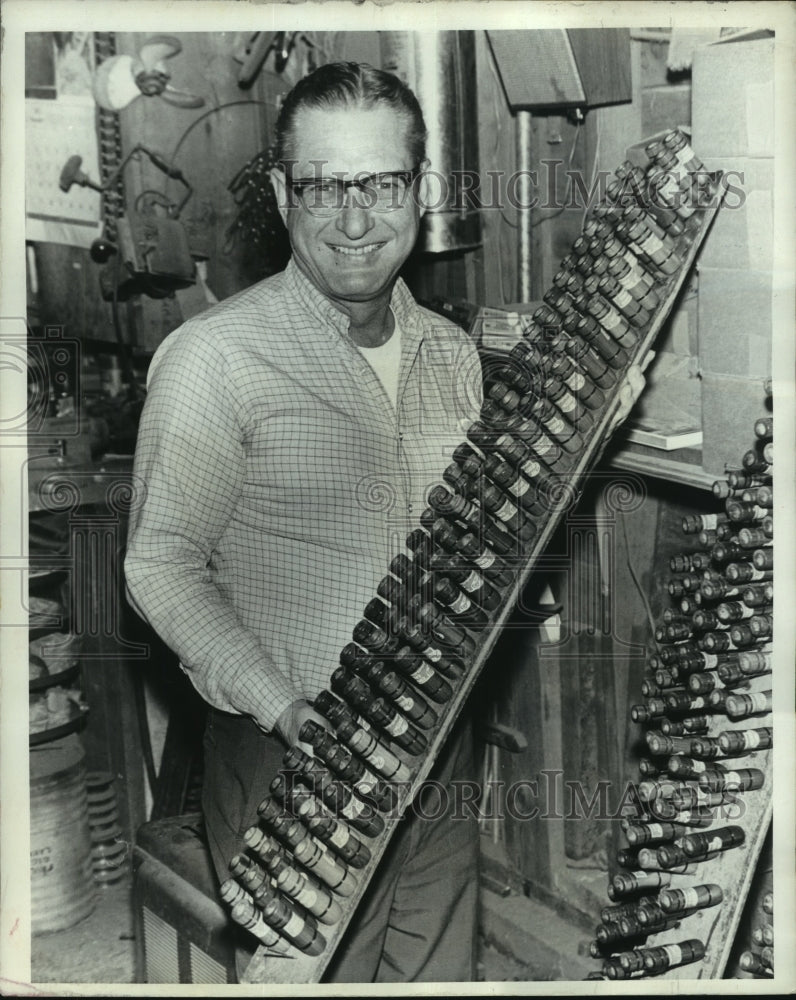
[(298, 967)]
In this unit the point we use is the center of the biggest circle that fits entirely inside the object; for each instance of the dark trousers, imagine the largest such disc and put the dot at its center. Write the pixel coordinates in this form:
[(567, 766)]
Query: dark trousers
[(417, 920)]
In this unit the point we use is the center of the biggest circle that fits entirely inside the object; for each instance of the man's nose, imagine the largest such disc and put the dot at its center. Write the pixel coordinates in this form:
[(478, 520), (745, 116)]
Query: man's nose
[(354, 219)]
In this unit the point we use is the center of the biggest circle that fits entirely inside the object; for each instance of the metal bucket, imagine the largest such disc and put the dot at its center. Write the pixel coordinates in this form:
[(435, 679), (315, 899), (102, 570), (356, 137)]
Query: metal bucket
[(61, 884)]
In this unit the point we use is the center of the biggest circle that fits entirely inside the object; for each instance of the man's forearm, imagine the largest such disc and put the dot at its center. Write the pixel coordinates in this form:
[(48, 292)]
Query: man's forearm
[(224, 659)]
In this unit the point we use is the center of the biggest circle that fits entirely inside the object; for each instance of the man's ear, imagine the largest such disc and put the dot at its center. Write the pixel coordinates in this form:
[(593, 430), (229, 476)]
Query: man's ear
[(424, 188), (279, 185)]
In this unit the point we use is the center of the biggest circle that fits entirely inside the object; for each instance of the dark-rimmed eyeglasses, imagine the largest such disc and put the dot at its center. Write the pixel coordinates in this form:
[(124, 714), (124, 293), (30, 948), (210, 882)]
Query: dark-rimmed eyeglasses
[(382, 192)]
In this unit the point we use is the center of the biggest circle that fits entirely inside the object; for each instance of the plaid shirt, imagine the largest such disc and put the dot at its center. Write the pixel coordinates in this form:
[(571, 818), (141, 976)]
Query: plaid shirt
[(280, 481)]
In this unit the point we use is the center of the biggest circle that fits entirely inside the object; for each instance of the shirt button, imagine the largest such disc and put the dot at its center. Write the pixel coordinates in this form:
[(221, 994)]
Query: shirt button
[(409, 507)]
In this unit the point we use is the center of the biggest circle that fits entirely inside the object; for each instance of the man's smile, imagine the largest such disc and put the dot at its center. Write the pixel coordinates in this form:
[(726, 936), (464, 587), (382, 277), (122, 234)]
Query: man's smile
[(355, 251)]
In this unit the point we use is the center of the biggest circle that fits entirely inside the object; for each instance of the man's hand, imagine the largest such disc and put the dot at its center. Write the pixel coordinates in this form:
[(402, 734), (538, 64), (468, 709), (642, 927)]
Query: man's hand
[(630, 392), (288, 725)]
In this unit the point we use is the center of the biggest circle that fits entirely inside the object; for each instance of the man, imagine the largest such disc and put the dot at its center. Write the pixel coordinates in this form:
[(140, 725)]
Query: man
[(288, 441)]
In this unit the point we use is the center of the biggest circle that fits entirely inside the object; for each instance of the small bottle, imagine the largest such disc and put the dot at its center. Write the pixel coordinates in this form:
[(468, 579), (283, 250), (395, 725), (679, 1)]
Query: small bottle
[(657, 960), (693, 523), (611, 320), (247, 915), (733, 611), (743, 740), (693, 898), (659, 744), (361, 740), (443, 631), (685, 768), (676, 142), (614, 248), (648, 768), (584, 388), (745, 779), (753, 538), (670, 187), (625, 883), (748, 961), (705, 747), (345, 765), (551, 420), (764, 428), (763, 934), (762, 496), (523, 456), (739, 479), (395, 724), (333, 832), (383, 715), (421, 673), (507, 512), (609, 934), (337, 795), (611, 914), (652, 833), (760, 625), (307, 851), (568, 404), (300, 886), (470, 580), (636, 281), (623, 300), (495, 569), (755, 463), (741, 706), (248, 872), (413, 706), (740, 512), (763, 559), (459, 605), (516, 485), (659, 249), (608, 347), (299, 928), (441, 659), (593, 364), (701, 844), (745, 572)]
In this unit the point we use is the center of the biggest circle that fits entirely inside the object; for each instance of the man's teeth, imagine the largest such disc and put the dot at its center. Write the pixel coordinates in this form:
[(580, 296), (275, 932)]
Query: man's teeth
[(356, 251)]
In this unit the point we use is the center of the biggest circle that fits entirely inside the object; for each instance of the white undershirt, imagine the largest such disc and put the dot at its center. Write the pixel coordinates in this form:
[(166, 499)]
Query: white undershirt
[(386, 362)]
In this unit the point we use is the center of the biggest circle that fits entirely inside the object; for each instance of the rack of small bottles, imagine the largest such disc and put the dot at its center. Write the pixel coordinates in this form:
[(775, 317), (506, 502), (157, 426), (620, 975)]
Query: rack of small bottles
[(704, 796), (757, 960), (423, 638)]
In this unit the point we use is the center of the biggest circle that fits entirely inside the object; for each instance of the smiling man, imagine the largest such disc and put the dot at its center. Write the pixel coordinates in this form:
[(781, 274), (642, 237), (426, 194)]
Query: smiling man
[(288, 441)]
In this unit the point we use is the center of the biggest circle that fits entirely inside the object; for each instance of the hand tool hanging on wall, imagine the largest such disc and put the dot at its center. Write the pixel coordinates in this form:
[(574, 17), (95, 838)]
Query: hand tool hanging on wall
[(153, 248)]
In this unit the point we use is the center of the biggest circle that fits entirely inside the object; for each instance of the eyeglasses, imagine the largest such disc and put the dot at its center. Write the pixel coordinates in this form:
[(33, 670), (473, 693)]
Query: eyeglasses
[(326, 196)]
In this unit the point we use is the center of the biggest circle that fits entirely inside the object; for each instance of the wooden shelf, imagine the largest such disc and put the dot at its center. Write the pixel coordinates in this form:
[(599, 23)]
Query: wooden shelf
[(663, 465)]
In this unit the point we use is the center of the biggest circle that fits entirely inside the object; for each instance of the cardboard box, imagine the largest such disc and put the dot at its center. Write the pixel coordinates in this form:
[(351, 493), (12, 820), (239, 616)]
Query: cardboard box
[(742, 234), (680, 333), (732, 109), (735, 322), (730, 407), (671, 398)]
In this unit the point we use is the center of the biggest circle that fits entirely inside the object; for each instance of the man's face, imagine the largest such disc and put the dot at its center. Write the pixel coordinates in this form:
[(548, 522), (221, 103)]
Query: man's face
[(355, 254)]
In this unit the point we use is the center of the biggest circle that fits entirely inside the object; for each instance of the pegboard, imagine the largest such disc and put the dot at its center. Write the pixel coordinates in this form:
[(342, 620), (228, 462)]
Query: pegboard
[(54, 131)]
